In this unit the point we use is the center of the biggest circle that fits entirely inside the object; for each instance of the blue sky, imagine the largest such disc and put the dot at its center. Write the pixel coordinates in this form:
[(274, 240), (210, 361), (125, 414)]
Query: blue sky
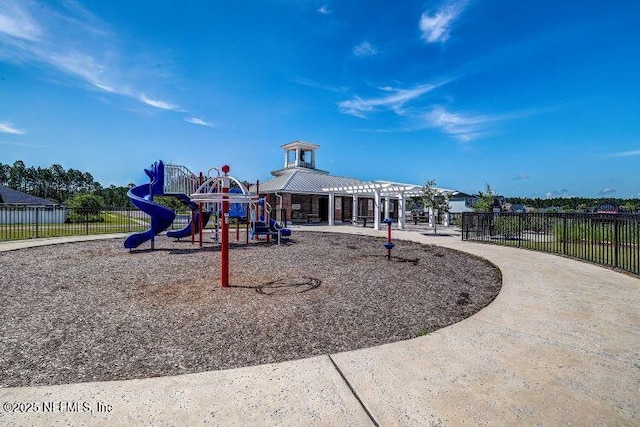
[(536, 98)]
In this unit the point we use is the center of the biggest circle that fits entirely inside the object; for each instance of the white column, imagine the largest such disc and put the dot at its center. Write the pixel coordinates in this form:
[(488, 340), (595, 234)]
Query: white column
[(402, 200), (332, 209), (376, 210), (298, 156), (431, 217), (354, 210), (387, 207), (446, 214)]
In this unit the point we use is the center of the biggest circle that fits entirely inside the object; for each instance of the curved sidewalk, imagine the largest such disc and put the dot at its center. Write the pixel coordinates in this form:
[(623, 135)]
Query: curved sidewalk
[(559, 345)]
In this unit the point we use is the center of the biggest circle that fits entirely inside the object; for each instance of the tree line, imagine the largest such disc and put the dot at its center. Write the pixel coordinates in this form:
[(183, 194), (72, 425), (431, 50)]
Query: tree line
[(488, 199), (60, 185), (580, 204)]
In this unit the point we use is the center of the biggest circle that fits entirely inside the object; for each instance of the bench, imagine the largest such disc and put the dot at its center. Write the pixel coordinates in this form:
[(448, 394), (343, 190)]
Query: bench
[(313, 218), (298, 218), (419, 217), (362, 220)]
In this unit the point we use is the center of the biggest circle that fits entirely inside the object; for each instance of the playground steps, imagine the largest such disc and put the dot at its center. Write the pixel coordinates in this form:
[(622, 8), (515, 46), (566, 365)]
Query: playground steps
[(261, 228)]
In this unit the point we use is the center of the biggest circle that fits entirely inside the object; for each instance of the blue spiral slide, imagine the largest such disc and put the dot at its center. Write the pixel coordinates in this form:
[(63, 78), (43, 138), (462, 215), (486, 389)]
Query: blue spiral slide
[(142, 198), (186, 231)]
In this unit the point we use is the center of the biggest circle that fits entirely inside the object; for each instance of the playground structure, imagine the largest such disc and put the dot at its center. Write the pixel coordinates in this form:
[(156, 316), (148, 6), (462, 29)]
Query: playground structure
[(206, 198)]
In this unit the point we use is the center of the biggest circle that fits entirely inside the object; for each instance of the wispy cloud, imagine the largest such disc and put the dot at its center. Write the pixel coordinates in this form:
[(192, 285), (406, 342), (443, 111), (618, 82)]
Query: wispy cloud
[(17, 23), (317, 85), (631, 153), (563, 193), (466, 127), (163, 105), (606, 191), (7, 128), (521, 177), (48, 35), (394, 100), (31, 33), (408, 105), (463, 127), (324, 9), (198, 121), (435, 24), (365, 49)]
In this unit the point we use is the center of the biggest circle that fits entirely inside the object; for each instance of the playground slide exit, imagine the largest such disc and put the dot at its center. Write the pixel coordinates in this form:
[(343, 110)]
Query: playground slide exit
[(186, 231), (142, 198)]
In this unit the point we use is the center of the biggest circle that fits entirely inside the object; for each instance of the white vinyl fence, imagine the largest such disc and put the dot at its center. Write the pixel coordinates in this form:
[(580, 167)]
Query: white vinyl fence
[(32, 215)]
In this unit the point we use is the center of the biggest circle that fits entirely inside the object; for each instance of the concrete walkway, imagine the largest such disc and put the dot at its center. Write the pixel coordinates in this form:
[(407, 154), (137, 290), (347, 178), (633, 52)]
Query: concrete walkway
[(559, 345)]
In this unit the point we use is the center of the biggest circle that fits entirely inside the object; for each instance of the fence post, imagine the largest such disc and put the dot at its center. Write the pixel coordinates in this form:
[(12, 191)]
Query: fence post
[(564, 233), (37, 221), (464, 230), (86, 222), (616, 240), (519, 229)]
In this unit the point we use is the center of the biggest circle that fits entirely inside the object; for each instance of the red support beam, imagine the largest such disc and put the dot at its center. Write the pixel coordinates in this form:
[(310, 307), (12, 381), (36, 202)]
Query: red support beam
[(224, 264)]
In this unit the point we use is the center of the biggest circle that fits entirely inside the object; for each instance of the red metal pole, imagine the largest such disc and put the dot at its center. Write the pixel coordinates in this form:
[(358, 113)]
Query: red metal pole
[(200, 223), (193, 230), (224, 264)]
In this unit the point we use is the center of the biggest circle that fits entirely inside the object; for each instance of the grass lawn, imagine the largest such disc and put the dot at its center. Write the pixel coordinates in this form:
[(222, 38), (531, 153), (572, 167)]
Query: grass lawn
[(113, 222), (596, 252)]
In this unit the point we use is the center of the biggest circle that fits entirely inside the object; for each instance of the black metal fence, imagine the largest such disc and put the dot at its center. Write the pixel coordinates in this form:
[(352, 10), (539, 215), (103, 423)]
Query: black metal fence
[(608, 239), (19, 222)]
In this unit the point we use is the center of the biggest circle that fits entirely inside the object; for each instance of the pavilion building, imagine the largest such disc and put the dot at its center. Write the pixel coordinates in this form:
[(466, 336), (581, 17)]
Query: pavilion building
[(300, 193), (296, 190)]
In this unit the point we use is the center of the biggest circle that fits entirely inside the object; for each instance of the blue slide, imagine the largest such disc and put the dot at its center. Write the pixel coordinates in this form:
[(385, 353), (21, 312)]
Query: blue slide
[(277, 226), (186, 231), (142, 198)]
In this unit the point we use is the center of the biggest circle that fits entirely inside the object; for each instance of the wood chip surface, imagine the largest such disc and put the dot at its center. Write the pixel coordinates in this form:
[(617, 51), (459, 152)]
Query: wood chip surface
[(94, 311)]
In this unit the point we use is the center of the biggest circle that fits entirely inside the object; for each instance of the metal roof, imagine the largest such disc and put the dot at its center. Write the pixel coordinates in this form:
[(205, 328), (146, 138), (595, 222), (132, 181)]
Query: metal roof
[(300, 180), (301, 144), (10, 196)]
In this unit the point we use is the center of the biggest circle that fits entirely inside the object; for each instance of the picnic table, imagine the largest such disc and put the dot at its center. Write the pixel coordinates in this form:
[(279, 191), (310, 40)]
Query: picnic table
[(362, 219)]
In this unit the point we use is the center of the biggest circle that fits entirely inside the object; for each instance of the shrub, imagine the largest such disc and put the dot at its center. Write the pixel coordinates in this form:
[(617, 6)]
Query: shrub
[(506, 226), (85, 207)]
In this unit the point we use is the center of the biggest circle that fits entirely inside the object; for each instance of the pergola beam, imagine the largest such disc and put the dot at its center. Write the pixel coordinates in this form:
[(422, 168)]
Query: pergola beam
[(378, 190)]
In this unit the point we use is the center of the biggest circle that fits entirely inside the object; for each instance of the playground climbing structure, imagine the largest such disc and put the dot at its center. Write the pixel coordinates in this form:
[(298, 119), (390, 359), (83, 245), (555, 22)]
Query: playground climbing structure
[(224, 195)]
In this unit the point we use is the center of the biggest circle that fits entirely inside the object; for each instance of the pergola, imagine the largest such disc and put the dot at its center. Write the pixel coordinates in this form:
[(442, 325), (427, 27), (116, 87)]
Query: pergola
[(378, 190)]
